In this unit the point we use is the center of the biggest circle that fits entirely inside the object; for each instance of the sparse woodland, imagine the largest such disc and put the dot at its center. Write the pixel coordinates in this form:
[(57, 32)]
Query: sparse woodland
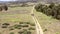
[(50, 10)]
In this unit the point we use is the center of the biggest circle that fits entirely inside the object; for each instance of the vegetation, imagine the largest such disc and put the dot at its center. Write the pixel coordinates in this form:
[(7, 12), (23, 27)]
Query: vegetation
[(57, 32), (24, 23), (5, 25), (11, 29), (45, 30), (16, 21), (17, 26), (47, 22), (11, 32), (24, 5), (24, 32), (50, 10), (31, 28), (25, 27), (5, 7), (32, 24)]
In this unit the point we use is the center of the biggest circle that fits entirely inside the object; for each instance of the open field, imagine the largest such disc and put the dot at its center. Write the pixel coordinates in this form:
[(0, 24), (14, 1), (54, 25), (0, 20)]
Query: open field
[(13, 14), (17, 10), (49, 24), (12, 18)]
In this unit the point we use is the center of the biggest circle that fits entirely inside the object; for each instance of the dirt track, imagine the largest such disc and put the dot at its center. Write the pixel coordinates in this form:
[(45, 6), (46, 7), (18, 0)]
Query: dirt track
[(38, 27)]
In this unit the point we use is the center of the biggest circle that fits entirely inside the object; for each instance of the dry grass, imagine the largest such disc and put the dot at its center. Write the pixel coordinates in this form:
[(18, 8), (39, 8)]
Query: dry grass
[(15, 14)]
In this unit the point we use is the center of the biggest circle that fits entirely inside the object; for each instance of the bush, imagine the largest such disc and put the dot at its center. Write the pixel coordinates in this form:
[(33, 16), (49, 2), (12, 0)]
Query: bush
[(27, 32), (32, 24), (25, 25), (17, 26), (20, 32), (24, 32), (21, 22), (45, 30), (11, 29), (11, 32), (31, 28), (57, 32), (27, 22), (5, 25)]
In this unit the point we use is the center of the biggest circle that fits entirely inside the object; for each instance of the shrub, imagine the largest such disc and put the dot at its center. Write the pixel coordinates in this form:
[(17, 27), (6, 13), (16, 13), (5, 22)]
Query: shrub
[(31, 28), (45, 30), (11, 29), (6, 24), (25, 25), (17, 26), (57, 32), (20, 32), (32, 24), (27, 32), (21, 22), (27, 22), (24, 32), (11, 32)]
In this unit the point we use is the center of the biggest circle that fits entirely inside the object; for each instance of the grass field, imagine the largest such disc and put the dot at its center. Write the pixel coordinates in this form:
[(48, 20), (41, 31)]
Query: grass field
[(22, 14), (17, 10), (14, 16), (49, 24)]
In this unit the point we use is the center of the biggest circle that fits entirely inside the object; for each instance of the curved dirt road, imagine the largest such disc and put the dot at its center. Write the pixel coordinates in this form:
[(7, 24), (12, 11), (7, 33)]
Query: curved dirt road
[(38, 27)]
